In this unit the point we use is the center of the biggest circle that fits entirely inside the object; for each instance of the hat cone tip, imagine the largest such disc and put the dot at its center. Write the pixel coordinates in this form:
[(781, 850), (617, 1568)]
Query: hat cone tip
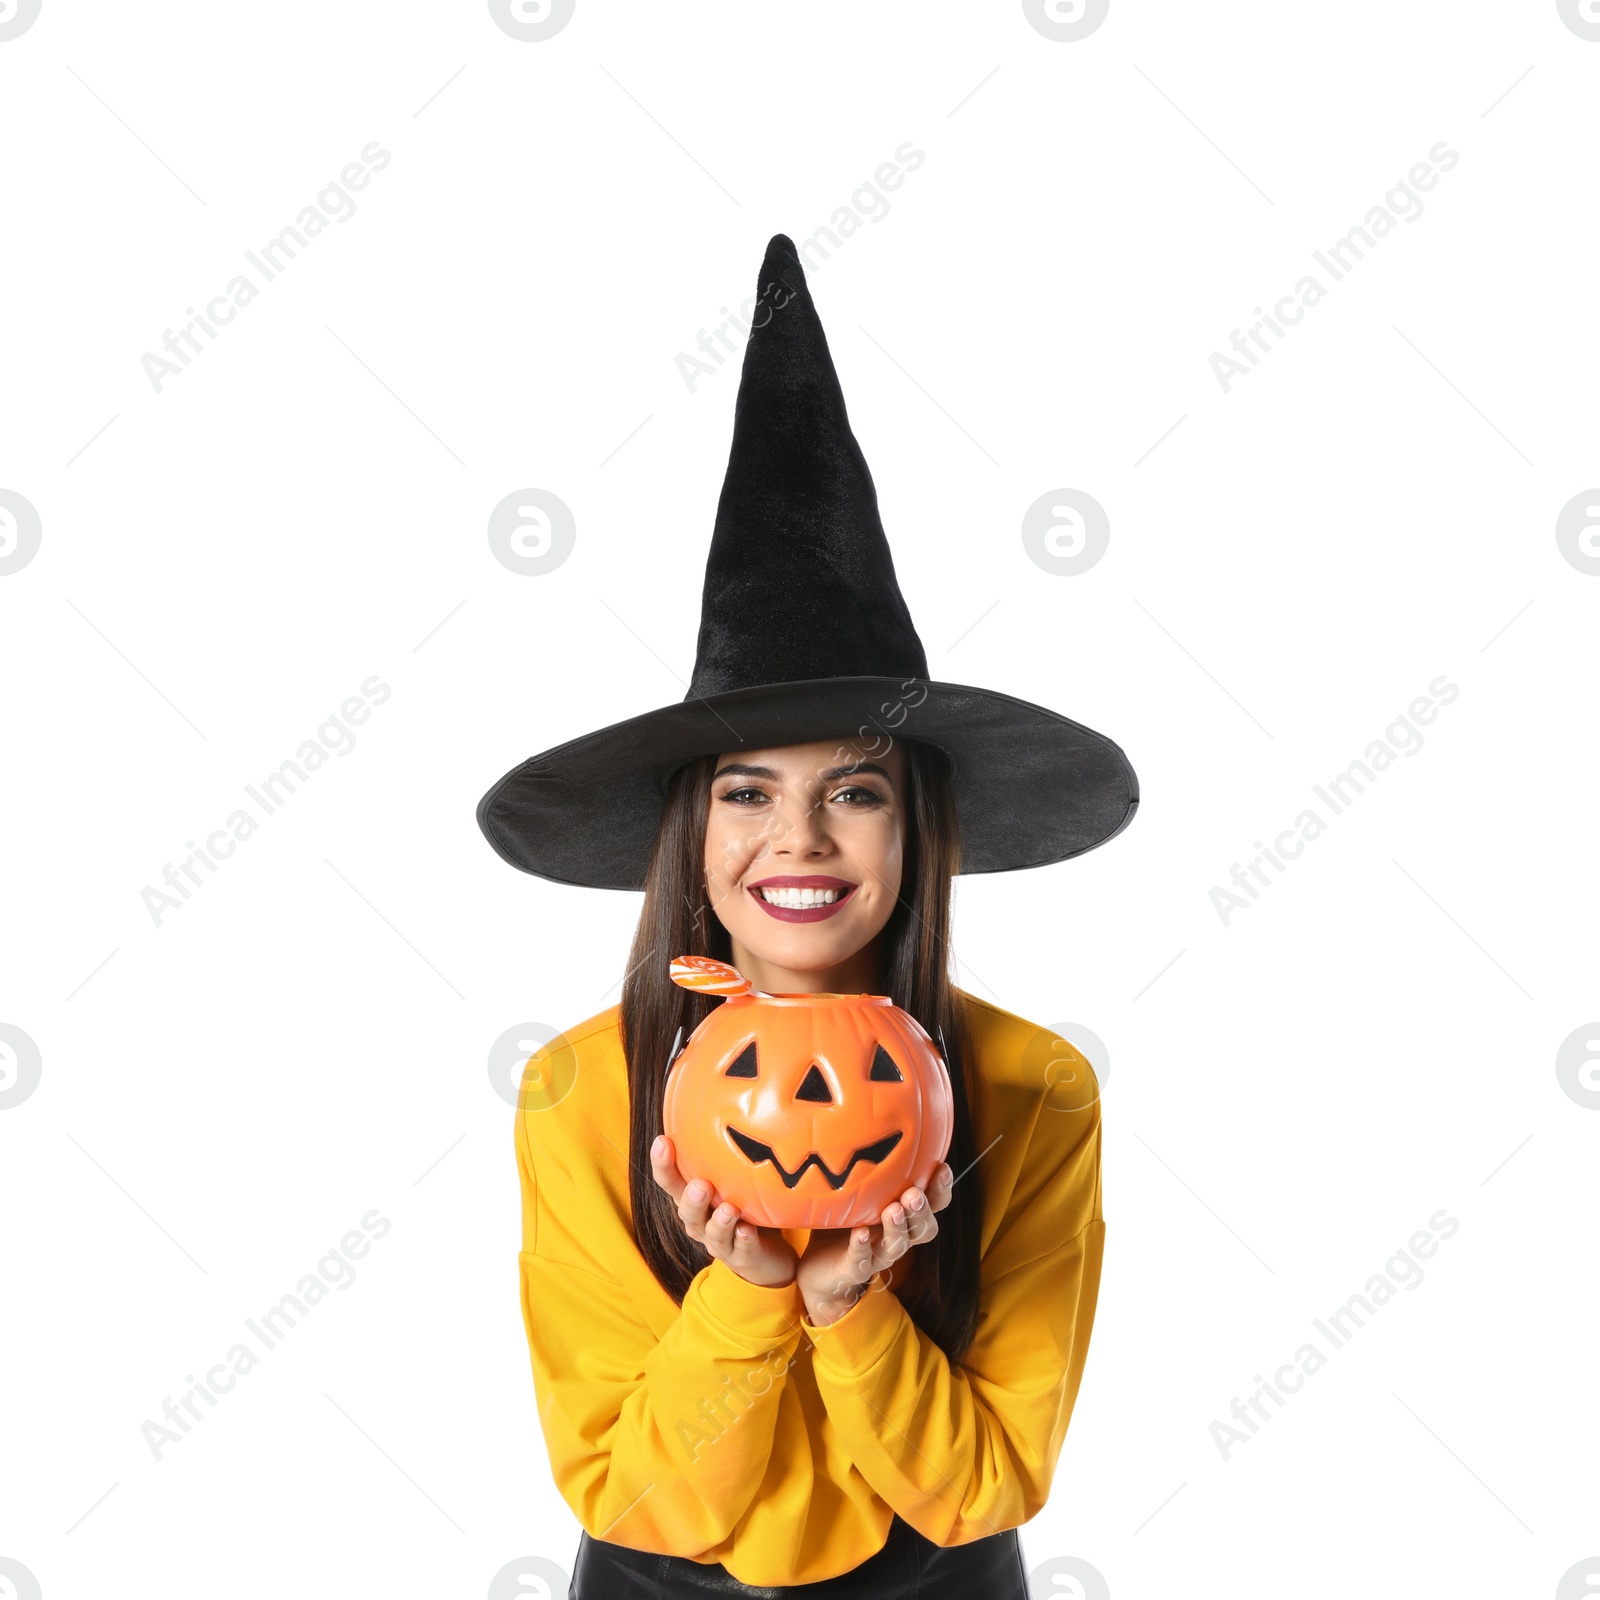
[(780, 248)]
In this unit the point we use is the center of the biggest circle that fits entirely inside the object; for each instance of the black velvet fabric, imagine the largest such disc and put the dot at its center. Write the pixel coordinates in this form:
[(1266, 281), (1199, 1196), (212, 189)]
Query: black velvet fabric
[(804, 635), (799, 582), (1030, 786)]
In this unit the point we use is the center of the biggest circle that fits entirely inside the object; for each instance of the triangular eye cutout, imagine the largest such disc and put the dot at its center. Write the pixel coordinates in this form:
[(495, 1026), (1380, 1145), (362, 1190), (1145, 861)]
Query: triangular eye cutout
[(745, 1066), (883, 1068), (814, 1087)]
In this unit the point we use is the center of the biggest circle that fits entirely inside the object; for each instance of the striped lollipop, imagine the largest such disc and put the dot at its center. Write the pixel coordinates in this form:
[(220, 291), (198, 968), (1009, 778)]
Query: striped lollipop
[(706, 976)]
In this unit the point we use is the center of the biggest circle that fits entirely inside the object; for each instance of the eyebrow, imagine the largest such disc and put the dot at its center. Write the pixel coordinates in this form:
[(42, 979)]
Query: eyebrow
[(744, 770)]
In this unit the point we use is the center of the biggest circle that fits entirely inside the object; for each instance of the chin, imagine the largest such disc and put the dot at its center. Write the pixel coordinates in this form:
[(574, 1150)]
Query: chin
[(804, 950)]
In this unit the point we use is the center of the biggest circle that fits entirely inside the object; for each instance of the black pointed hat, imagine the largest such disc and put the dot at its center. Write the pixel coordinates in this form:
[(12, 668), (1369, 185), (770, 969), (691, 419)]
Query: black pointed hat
[(798, 538)]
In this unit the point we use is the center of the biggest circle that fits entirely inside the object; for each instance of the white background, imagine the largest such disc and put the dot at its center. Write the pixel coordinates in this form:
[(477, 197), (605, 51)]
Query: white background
[(1289, 1098)]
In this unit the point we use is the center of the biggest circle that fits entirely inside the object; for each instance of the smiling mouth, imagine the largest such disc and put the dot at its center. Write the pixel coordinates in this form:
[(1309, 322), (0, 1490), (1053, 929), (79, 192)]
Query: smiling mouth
[(811, 899), (756, 1152)]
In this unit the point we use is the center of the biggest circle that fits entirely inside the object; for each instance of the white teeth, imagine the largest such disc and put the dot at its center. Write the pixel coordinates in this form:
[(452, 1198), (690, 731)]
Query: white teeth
[(799, 899)]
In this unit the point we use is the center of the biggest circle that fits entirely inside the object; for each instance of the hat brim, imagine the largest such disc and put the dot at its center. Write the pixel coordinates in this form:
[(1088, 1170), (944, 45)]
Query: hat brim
[(1031, 787)]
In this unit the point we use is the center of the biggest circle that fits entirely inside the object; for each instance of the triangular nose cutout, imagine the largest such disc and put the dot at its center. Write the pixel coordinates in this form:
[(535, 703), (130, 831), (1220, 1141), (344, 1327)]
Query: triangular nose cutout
[(815, 1087)]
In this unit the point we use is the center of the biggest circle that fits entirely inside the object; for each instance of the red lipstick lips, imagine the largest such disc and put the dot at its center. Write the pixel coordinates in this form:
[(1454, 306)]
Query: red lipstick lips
[(801, 881)]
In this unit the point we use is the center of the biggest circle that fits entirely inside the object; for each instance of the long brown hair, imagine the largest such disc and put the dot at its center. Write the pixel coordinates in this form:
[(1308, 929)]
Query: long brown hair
[(941, 1291)]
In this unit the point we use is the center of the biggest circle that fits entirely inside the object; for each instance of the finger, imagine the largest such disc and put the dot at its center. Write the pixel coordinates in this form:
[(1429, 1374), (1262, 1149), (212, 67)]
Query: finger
[(859, 1262), (719, 1226), (922, 1224), (866, 1257), (695, 1205), (943, 1187), (896, 1238), (664, 1166), (747, 1242)]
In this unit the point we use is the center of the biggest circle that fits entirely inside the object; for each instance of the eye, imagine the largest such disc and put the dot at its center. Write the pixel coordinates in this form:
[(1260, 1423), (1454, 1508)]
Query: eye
[(745, 1065), (869, 797), (733, 795), (883, 1068)]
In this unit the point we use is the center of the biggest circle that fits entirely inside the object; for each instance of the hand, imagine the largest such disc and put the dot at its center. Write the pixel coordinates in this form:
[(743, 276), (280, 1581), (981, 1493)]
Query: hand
[(759, 1255), (839, 1261)]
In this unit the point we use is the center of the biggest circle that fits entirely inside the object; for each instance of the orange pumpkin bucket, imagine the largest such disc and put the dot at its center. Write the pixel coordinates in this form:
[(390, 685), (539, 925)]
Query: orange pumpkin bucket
[(805, 1110)]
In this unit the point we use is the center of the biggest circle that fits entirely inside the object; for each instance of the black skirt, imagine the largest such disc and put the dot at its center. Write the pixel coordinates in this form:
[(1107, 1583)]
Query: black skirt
[(908, 1567)]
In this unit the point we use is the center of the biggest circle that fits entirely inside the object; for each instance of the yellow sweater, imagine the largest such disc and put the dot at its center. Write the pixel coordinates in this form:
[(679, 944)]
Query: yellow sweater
[(730, 1429)]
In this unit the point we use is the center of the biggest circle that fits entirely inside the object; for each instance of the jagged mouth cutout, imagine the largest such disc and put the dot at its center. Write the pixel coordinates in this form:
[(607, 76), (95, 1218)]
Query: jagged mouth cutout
[(814, 1087)]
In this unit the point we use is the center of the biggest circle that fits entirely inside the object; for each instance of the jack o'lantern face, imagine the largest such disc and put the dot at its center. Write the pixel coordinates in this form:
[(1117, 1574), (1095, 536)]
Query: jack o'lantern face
[(809, 1111), (814, 1087)]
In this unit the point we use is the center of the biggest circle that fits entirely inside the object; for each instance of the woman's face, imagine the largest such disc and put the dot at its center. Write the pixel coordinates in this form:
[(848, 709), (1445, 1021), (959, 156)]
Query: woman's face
[(804, 848)]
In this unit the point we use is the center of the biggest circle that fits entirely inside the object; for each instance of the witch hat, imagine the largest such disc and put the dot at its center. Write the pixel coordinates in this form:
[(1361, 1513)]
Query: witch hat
[(798, 542)]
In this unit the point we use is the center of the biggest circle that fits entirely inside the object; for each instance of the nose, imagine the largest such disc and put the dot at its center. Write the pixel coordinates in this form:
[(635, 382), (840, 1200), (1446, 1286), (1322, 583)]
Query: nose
[(801, 826), (814, 1087)]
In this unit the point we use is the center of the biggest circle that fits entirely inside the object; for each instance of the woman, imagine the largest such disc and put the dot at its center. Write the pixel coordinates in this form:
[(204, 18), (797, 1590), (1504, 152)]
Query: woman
[(733, 1409)]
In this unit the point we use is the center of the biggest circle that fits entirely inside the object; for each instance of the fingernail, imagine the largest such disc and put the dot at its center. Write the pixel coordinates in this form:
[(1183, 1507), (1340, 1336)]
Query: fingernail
[(659, 1145), (697, 1191), (724, 1213), (897, 1215), (917, 1201)]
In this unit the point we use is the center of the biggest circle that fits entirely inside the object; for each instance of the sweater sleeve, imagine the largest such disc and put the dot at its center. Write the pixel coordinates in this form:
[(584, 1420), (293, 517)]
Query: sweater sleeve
[(964, 1451), (658, 1444)]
